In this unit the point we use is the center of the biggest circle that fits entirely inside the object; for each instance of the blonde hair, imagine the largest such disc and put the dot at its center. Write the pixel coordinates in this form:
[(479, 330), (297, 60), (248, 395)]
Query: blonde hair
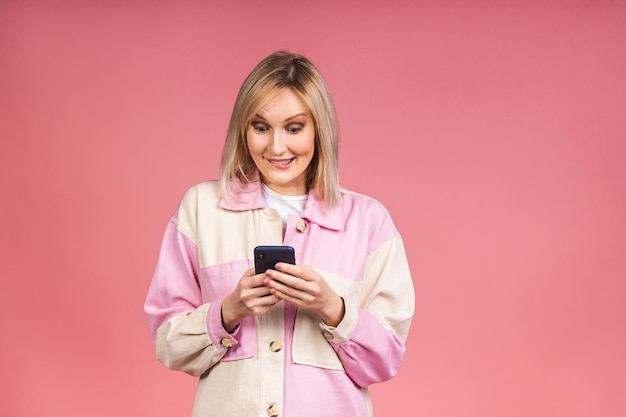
[(278, 71)]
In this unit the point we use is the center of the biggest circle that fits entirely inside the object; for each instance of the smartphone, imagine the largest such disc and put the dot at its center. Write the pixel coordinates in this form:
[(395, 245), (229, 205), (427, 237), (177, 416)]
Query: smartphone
[(266, 257)]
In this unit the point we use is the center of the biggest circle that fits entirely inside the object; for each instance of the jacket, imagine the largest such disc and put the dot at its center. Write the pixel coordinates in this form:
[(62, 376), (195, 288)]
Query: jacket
[(286, 362)]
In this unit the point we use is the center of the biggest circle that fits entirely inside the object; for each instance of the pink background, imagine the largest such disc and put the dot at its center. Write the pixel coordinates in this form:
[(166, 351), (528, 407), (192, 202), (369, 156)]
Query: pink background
[(493, 132)]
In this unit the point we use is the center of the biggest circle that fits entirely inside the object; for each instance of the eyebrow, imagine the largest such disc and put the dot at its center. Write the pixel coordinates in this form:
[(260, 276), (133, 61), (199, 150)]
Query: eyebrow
[(286, 120)]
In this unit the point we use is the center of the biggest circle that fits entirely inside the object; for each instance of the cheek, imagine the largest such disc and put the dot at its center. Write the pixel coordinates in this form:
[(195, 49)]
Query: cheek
[(305, 146), (255, 145)]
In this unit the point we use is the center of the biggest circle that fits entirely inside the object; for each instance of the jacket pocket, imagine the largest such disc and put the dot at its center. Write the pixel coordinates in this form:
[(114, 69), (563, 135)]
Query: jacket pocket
[(310, 347), (217, 281)]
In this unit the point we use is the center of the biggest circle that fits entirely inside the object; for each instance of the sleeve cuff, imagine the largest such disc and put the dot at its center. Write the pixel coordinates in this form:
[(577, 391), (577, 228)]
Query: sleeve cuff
[(345, 328), (221, 339)]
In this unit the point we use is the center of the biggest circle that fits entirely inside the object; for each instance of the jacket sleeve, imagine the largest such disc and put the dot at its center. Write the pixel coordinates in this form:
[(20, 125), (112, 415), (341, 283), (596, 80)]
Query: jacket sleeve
[(187, 333), (370, 339)]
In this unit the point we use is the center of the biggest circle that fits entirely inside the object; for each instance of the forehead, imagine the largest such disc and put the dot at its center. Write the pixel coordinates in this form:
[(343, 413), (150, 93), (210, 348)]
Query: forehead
[(285, 102)]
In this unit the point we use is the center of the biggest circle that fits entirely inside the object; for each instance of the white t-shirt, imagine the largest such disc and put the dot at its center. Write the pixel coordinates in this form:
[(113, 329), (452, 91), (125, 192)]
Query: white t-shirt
[(284, 204)]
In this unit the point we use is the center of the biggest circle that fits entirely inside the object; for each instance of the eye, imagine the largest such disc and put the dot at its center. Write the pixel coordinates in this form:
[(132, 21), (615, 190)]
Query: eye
[(260, 127), (293, 129)]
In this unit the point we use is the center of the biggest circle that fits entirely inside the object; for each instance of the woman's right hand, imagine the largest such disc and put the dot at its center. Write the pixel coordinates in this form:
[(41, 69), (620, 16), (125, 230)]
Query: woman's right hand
[(251, 297)]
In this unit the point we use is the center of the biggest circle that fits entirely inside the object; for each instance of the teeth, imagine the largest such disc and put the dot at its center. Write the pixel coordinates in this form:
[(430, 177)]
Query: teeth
[(283, 163)]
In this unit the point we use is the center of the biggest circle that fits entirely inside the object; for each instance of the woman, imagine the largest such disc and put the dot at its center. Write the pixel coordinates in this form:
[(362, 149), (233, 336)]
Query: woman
[(298, 340)]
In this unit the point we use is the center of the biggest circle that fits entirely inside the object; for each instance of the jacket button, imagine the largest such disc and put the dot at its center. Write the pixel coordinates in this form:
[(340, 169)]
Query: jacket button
[(301, 226), (226, 342), (273, 410), (276, 345)]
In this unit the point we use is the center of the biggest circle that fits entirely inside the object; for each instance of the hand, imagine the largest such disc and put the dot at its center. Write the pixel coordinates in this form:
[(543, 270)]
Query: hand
[(250, 298), (304, 287)]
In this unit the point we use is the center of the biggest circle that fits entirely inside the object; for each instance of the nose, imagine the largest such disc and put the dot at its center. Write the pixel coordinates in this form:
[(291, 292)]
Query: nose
[(278, 143)]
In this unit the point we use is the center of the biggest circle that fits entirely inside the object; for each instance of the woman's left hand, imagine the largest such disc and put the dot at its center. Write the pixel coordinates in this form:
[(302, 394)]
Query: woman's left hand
[(305, 288)]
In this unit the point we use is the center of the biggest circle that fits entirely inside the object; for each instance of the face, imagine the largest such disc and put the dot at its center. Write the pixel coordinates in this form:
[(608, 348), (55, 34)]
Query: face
[(281, 140)]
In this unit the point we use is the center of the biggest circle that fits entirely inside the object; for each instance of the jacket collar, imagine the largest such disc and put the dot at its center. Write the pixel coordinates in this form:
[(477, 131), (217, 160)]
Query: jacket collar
[(249, 196)]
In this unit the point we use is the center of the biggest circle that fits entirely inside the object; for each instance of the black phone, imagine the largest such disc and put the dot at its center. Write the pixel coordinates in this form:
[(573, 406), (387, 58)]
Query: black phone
[(266, 257)]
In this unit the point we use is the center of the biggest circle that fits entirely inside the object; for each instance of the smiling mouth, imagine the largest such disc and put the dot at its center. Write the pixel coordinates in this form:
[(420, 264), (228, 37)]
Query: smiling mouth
[(281, 162)]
